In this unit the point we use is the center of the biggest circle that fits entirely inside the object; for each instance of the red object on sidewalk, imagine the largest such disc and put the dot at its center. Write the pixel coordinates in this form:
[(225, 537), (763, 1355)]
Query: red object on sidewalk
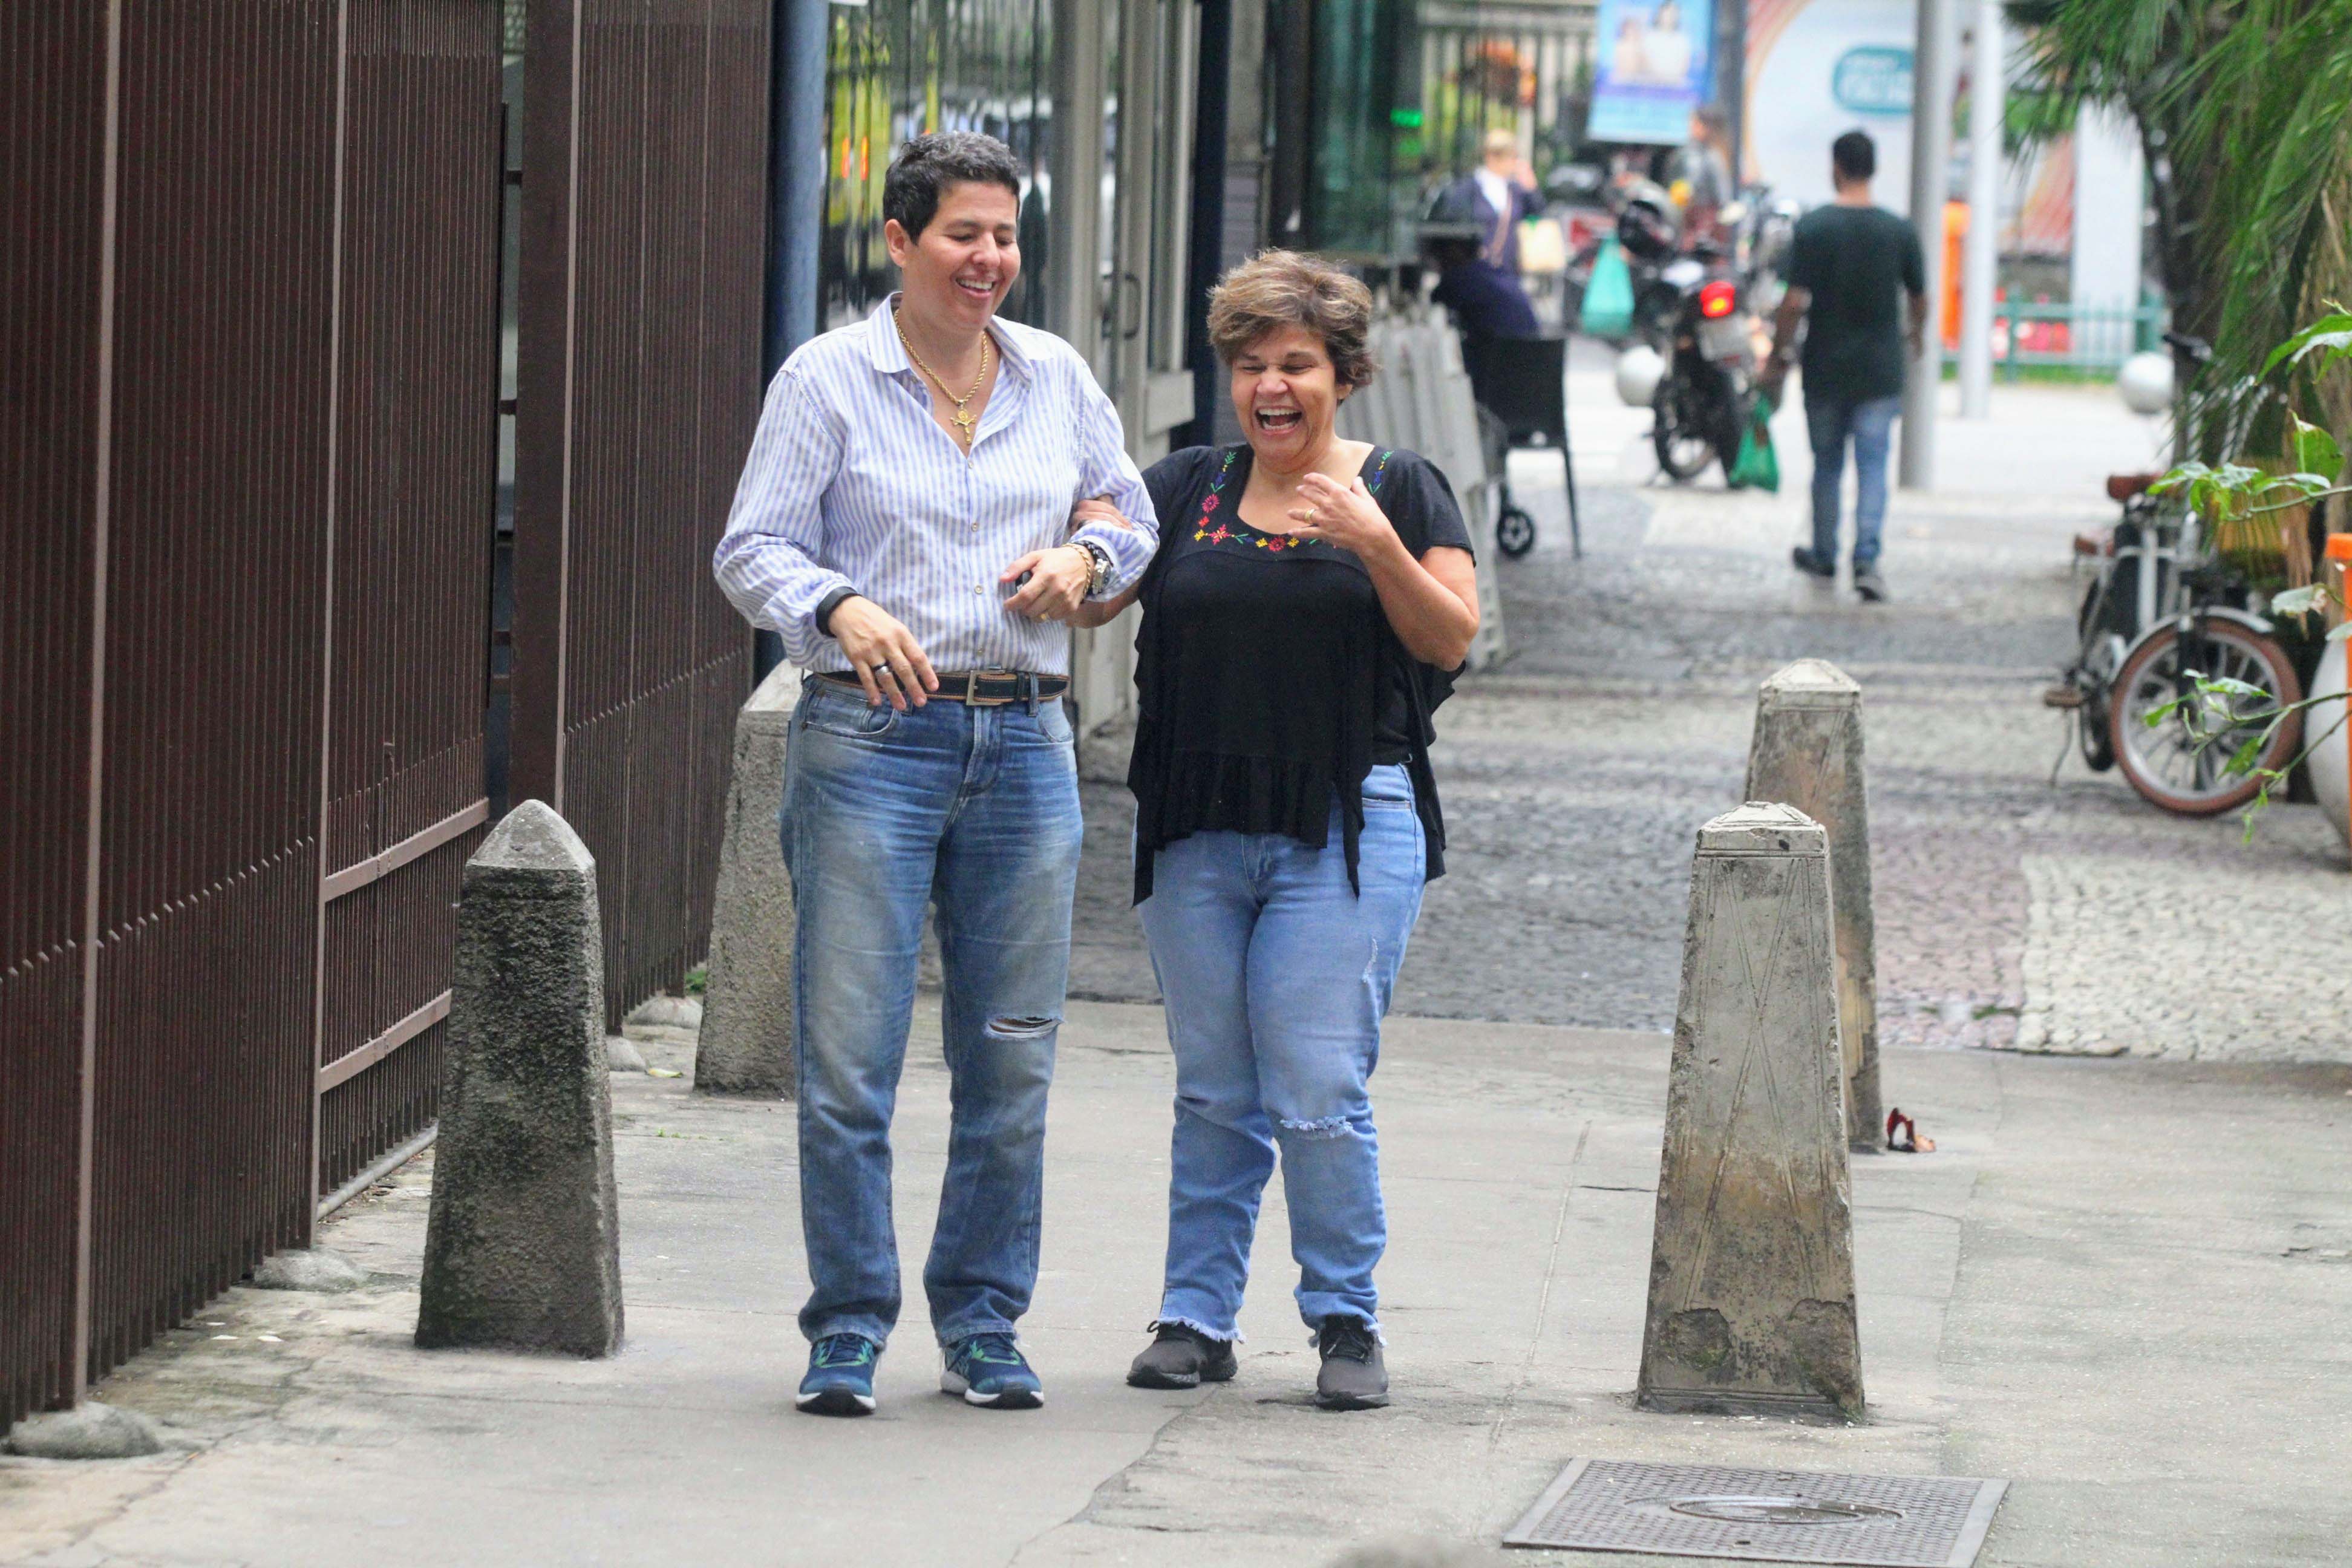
[(1903, 1135)]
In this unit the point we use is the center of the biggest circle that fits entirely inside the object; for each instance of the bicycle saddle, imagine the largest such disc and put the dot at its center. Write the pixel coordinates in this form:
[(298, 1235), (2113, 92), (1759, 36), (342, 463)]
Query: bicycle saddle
[(2123, 487)]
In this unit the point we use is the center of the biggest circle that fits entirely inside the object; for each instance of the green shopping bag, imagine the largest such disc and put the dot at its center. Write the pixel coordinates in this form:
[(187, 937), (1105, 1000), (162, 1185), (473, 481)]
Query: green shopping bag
[(1608, 308), (1756, 465)]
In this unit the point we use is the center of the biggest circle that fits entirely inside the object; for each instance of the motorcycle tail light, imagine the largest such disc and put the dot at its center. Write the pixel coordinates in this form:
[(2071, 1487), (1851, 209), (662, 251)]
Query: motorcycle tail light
[(1717, 301)]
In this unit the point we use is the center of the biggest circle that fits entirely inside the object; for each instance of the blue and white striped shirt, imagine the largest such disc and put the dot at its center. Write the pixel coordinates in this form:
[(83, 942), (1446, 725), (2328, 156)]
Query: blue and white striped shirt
[(851, 483)]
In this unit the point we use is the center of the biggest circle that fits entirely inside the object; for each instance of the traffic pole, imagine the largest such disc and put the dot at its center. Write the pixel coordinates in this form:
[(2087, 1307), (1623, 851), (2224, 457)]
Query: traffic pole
[(1931, 150), (1988, 96)]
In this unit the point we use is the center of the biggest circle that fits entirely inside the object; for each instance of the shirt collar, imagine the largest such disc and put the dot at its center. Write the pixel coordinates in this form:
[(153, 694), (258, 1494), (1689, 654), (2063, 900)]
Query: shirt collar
[(889, 354)]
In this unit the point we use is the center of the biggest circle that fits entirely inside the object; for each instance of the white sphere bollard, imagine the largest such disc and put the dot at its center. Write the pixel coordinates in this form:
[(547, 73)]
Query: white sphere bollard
[(2145, 383), (1639, 371), (2331, 759)]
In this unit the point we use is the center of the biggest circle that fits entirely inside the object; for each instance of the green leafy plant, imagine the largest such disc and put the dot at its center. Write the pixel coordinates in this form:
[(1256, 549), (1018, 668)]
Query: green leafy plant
[(2245, 113)]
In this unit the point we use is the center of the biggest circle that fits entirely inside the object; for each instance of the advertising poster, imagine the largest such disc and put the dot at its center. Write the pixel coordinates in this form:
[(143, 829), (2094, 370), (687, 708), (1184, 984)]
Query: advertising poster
[(1820, 68), (1653, 70)]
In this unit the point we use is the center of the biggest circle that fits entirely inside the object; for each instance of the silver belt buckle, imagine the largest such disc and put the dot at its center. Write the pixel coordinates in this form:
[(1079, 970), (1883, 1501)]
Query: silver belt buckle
[(971, 679)]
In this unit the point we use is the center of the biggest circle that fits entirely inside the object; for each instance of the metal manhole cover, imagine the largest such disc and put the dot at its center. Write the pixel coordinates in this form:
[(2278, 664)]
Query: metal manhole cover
[(1766, 1516)]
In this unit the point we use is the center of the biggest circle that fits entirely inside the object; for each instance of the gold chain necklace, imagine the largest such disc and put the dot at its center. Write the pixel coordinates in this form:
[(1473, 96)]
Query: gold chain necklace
[(961, 418)]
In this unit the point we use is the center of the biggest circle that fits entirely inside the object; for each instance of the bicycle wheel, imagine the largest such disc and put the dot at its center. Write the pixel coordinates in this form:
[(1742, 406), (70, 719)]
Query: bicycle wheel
[(2164, 761)]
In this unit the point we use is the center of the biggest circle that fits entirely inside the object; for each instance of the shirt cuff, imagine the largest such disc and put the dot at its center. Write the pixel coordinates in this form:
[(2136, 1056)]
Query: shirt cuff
[(1129, 552)]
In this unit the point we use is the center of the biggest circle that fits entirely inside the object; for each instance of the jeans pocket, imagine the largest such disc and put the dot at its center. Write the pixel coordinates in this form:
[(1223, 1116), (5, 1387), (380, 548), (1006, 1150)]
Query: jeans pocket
[(1054, 722), (1388, 787), (838, 712)]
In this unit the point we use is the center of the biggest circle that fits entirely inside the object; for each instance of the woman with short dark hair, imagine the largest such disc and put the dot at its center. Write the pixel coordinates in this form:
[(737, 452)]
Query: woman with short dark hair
[(1310, 601), (905, 522)]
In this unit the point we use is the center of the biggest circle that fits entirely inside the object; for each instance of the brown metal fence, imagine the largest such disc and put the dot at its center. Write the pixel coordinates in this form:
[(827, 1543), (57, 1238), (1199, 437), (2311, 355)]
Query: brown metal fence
[(248, 456), (643, 223), (51, 160), (417, 443)]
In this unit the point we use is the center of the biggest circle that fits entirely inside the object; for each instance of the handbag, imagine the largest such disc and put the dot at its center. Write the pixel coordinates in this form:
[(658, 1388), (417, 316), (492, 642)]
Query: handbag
[(1543, 246), (1608, 308)]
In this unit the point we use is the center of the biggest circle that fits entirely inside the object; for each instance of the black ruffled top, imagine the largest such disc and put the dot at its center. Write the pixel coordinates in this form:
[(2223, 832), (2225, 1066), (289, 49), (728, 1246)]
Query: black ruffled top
[(1269, 678)]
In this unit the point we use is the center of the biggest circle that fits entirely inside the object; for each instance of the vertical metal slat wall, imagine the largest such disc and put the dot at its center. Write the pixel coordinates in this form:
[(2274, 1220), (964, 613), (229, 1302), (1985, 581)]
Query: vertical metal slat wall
[(417, 443), (246, 494), (249, 461), (643, 223), (52, 157), (210, 655)]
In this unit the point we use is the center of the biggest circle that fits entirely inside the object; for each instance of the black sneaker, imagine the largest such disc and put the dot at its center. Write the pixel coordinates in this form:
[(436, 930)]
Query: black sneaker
[(1869, 584), (1182, 1357), (1811, 565), (1354, 1376)]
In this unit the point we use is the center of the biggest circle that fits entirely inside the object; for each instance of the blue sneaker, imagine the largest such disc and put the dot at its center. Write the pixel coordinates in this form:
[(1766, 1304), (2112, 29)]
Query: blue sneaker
[(990, 1371), (840, 1380)]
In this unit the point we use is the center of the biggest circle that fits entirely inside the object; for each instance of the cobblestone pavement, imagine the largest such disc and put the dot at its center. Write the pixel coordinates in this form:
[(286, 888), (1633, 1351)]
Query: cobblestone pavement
[(2011, 911)]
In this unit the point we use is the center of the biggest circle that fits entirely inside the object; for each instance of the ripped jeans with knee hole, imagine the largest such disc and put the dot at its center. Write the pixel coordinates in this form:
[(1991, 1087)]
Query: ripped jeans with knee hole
[(1276, 975), (973, 813)]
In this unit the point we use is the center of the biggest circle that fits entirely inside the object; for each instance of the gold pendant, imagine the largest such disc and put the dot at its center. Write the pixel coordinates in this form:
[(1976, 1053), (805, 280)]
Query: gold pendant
[(962, 421)]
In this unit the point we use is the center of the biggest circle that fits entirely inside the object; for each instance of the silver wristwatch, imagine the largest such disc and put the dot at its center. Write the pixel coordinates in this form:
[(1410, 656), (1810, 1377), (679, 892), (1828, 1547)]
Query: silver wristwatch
[(1098, 573)]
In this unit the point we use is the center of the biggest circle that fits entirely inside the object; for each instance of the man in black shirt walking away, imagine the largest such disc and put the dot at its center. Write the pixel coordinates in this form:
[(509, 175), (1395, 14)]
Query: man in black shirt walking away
[(1848, 263)]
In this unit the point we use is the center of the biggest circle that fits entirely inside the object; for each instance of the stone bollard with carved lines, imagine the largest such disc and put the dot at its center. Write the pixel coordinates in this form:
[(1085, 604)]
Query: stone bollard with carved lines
[(523, 1247), (746, 1043), (1751, 1270), (1807, 753)]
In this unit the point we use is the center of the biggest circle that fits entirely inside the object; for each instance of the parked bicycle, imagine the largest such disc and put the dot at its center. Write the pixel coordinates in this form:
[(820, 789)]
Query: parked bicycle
[(2161, 613)]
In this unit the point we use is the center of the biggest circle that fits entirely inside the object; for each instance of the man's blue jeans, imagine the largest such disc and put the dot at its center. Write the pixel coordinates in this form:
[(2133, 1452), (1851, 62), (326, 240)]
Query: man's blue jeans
[(1831, 423), (1275, 977), (974, 810)]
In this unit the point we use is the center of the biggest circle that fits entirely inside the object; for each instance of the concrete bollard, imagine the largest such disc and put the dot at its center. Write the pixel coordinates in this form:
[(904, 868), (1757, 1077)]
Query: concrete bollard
[(523, 1247), (1807, 753), (746, 1045), (1751, 1270)]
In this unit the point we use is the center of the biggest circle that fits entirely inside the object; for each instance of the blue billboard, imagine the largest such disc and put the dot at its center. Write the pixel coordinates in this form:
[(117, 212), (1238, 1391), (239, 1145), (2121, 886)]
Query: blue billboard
[(1653, 70)]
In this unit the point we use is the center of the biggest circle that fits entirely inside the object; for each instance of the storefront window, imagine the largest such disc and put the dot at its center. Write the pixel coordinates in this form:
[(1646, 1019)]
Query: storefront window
[(1361, 196), (898, 69)]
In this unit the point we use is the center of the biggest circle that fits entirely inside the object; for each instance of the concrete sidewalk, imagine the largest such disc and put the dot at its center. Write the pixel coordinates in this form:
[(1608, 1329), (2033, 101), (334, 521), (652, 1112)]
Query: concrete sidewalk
[(2122, 1286)]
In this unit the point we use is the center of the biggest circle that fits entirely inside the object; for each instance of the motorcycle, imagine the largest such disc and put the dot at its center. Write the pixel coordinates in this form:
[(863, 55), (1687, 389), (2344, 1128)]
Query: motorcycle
[(1703, 402)]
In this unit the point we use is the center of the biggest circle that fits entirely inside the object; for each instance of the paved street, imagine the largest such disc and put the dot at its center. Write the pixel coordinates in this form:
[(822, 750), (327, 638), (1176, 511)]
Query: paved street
[(2072, 917), (2147, 1345)]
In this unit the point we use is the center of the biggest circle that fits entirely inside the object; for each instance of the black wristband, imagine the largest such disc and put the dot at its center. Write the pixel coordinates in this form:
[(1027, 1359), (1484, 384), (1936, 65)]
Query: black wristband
[(827, 606)]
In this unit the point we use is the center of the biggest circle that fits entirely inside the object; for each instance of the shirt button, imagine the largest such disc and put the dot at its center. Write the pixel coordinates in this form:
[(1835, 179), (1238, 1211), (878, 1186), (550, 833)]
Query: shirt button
[(981, 588)]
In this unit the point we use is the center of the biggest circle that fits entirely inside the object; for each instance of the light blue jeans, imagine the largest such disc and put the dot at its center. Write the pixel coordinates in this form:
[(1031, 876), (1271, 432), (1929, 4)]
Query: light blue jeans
[(1276, 976), (1830, 424), (973, 810)]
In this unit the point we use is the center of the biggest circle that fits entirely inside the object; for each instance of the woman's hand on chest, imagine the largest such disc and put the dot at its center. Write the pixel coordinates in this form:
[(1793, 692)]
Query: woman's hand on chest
[(1344, 515)]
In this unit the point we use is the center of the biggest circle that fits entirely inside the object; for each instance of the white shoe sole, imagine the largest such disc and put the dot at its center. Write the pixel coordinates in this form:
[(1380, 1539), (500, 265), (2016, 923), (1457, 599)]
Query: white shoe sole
[(1025, 1399)]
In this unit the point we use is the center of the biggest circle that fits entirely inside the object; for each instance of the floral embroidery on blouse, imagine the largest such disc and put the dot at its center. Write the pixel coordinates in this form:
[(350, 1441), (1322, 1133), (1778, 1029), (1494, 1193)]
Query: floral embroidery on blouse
[(1207, 532)]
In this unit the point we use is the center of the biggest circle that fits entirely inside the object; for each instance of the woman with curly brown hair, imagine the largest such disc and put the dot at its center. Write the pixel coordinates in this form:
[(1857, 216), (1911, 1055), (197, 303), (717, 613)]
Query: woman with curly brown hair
[(1311, 599)]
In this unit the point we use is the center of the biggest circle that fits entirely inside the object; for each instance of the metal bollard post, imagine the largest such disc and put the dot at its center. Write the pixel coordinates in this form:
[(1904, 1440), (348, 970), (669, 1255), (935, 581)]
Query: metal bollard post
[(1751, 1269)]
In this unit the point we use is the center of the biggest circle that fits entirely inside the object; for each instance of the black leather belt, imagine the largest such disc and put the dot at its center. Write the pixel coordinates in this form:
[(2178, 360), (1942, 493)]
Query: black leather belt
[(984, 687)]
